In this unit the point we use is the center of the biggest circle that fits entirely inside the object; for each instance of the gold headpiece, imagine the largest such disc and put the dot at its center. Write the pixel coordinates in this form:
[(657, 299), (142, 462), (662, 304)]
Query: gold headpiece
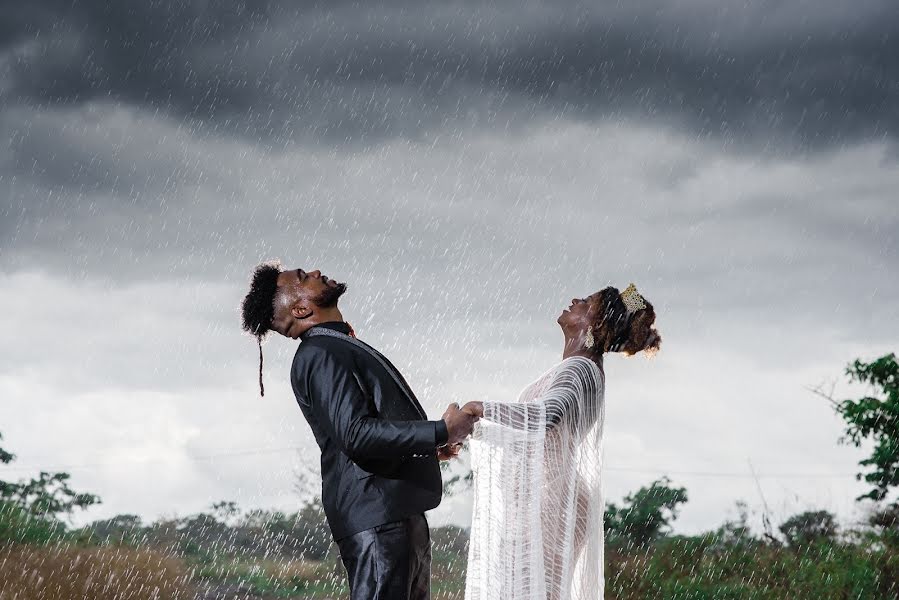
[(632, 299)]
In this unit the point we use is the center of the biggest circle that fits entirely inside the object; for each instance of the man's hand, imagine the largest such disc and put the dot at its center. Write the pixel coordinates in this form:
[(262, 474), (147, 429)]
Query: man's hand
[(459, 423), (448, 452)]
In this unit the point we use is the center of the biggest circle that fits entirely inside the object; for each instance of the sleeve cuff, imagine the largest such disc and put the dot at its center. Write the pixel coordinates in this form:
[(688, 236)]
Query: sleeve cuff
[(441, 435)]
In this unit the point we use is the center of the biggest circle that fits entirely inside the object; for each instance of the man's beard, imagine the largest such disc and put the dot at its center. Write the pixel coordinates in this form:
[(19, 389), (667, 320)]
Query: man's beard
[(329, 296)]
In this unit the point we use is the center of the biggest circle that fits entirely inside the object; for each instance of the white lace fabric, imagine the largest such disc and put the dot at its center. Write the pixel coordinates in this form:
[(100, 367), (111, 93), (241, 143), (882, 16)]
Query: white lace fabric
[(537, 523)]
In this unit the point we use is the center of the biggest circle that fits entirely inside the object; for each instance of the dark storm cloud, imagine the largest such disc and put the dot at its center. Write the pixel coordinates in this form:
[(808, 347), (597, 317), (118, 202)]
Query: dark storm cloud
[(107, 192), (131, 216), (817, 74)]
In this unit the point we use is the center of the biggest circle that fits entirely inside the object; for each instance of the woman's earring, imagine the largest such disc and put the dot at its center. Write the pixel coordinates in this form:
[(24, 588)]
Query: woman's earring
[(589, 342)]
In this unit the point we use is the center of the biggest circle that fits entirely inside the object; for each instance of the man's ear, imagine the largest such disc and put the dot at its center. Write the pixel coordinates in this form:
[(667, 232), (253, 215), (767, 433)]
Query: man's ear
[(301, 309)]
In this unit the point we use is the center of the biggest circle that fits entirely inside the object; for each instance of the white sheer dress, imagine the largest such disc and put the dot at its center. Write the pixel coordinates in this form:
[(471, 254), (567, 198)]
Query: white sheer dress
[(537, 524)]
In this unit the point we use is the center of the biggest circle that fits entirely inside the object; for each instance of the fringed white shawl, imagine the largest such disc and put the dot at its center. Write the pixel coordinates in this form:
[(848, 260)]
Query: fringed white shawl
[(537, 525)]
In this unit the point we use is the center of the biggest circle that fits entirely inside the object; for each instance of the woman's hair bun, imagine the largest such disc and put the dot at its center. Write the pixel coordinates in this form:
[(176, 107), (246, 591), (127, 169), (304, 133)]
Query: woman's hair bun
[(642, 335)]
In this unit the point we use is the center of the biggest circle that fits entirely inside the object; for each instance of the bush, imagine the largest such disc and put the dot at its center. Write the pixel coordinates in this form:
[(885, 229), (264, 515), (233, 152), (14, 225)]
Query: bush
[(18, 525), (645, 516), (449, 551), (697, 568), (120, 530), (809, 528)]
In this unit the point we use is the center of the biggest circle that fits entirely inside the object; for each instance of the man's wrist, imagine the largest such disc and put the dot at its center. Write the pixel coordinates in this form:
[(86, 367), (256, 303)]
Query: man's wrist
[(441, 433)]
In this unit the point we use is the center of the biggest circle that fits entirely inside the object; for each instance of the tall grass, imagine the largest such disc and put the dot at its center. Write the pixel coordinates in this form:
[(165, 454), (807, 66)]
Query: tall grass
[(276, 578), (698, 568), (67, 572)]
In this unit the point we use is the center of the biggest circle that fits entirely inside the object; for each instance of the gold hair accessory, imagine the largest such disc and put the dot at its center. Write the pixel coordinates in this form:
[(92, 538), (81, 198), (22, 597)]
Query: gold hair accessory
[(632, 299)]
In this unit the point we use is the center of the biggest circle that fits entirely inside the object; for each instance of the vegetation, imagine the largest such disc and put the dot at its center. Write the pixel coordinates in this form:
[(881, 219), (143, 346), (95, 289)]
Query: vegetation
[(876, 418), (263, 555), (702, 567), (267, 554), (33, 511), (809, 528), (645, 516), (40, 559), (67, 572)]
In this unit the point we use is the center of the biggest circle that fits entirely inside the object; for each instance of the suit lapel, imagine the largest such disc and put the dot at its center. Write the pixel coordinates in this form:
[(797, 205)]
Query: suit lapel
[(381, 359)]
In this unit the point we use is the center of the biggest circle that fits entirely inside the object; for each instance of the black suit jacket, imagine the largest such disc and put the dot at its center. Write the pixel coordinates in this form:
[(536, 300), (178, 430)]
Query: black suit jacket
[(378, 451)]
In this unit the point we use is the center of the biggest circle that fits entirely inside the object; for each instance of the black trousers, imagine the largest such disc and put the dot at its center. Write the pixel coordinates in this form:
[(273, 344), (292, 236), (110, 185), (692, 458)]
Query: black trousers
[(390, 561)]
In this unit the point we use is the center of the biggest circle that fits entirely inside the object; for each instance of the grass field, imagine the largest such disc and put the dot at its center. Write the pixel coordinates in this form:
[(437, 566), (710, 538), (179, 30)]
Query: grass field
[(679, 568)]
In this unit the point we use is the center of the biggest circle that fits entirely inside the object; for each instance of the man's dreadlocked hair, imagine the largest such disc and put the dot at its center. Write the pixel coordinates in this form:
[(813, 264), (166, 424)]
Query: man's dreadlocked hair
[(258, 308)]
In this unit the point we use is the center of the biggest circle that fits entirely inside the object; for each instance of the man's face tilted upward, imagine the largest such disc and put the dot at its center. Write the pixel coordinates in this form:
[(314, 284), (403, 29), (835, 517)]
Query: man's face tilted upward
[(301, 297)]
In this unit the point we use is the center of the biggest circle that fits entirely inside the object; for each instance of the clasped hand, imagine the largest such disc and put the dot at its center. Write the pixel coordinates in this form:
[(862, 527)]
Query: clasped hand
[(459, 424)]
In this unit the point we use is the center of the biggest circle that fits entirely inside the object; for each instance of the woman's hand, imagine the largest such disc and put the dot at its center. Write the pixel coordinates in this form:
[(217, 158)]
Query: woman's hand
[(474, 408)]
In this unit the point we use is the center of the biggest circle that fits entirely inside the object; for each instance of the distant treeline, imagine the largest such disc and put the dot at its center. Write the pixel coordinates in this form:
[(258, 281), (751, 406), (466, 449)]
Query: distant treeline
[(275, 554), (262, 555)]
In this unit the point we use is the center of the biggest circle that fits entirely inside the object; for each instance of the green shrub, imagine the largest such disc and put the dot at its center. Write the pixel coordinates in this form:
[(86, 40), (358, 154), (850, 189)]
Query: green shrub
[(17, 525)]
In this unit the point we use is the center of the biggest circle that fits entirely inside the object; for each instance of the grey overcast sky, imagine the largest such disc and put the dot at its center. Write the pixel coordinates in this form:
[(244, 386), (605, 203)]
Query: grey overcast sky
[(468, 168)]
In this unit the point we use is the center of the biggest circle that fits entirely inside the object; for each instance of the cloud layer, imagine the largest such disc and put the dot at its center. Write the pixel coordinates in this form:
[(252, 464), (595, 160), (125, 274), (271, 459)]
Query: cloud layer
[(468, 169), (340, 71)]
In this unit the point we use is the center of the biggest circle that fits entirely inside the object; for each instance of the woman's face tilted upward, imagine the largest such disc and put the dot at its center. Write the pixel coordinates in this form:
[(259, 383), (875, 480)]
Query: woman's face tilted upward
[(612, 325), (579, 315)]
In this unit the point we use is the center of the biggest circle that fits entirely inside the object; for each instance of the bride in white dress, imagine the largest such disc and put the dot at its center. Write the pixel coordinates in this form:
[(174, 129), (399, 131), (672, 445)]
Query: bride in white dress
[(537, 524)]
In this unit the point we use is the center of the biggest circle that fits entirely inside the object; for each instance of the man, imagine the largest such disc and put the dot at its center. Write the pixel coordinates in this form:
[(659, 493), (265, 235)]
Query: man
[(379, 453)]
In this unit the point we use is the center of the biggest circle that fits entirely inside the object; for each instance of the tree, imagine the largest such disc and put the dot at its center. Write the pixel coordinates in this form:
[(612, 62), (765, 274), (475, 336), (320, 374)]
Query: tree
[(120, 529), (48, 496), (886, 521), (808, 528), (734, 533), (6, 489), (30, 510), (875, 417), (225, 511), (203, 535), (646, 514), (310, 532), (5, 457)]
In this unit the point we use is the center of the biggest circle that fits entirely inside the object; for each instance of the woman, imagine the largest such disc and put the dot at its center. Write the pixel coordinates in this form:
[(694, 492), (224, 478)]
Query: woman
[(537, 530)]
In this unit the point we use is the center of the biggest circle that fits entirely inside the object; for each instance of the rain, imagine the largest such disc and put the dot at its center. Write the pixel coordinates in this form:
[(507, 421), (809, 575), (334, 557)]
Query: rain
[(468, 169)]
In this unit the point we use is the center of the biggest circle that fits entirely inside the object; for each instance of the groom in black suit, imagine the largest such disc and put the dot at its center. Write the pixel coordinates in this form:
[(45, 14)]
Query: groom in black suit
[(379, 453)]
